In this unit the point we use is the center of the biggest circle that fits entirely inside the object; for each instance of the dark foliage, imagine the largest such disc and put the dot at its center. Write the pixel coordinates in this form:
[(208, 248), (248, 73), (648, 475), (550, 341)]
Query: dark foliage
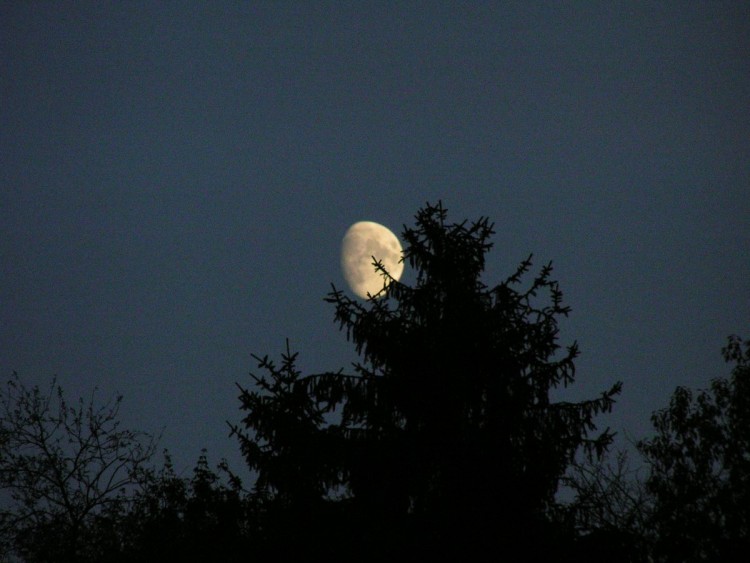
[(442, 442), (205, 518), (700, 469), (78, 488), (693, 504), (444, 439)]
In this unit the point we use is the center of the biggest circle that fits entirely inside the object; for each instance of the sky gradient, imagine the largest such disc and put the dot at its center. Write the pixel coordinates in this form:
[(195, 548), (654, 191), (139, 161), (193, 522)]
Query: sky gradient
[(176, 179)]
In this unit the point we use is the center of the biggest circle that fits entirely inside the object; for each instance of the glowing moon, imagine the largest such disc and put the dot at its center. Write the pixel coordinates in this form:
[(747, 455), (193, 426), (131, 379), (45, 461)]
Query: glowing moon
[(361, 242)]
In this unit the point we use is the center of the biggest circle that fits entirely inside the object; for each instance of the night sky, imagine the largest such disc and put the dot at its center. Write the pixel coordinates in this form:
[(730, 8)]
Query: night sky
[(176, 179)]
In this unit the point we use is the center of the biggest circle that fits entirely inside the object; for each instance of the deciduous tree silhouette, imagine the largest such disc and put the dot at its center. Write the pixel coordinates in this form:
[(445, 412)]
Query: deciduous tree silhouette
[(79, 488), (611, 509), (66, 469), (700, 468), (693, 504), (204, 518), (444, 439)]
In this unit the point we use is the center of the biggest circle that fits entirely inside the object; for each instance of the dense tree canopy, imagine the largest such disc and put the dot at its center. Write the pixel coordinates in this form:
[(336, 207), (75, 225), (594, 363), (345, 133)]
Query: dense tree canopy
[(442, 441)]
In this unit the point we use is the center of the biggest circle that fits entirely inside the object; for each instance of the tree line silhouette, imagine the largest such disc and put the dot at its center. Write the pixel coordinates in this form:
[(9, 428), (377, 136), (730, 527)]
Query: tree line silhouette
[(443, 441)]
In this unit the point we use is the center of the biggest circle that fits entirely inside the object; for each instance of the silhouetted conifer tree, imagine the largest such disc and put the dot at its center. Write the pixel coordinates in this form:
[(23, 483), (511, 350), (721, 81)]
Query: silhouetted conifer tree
[(444, 439)]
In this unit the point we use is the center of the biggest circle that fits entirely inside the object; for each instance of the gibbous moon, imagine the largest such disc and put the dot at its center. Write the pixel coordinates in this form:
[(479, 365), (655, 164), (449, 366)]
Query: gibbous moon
[(362, 242)]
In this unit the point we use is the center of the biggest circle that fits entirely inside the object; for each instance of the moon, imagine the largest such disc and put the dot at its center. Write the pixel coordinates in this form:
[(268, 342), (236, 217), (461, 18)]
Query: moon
[(362, 242)]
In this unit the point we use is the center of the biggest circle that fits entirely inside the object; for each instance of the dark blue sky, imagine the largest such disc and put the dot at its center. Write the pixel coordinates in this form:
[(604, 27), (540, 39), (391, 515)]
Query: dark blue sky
[(176, 178)]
